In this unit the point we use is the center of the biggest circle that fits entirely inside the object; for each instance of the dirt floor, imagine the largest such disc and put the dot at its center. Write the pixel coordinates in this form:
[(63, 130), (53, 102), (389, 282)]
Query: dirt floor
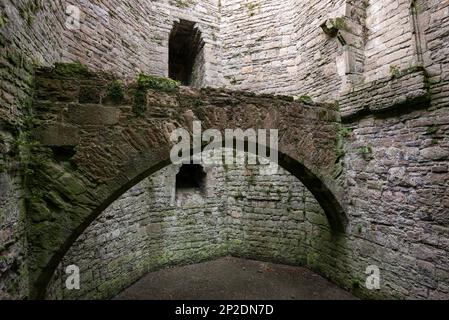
[(234, 279)]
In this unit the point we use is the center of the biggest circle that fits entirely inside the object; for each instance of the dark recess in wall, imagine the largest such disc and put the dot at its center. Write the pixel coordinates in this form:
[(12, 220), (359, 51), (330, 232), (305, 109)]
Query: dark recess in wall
[(185, 44), (191, 176)]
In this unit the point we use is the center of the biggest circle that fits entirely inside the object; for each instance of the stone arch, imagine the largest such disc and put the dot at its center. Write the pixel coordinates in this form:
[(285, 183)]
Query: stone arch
[(112, 148)]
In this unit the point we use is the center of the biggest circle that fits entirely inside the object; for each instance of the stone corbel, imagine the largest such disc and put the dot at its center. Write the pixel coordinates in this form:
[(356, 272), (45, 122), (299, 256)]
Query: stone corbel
[(348, 34)]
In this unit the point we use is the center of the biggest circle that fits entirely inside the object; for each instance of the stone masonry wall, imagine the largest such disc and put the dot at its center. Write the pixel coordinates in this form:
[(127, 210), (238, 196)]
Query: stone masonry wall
[(390, 39), (267, 46), (258, 44), (283, 41), (251, 40), (319, 57), (434, 35), (24, 40), (161, 227), (397, 208)]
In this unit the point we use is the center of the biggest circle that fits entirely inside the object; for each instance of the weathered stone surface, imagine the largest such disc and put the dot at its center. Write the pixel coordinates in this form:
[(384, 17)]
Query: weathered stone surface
[(435, 153), (117, 146), (58, 135), (92, 115), (274, 46)]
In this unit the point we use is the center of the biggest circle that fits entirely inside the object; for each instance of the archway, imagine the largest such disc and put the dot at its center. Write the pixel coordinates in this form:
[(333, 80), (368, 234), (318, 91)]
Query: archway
[(185, 53)]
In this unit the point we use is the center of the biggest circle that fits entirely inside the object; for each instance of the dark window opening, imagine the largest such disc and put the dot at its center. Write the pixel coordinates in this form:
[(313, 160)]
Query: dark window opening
[(63, 153), (185, 44), (191, 177)]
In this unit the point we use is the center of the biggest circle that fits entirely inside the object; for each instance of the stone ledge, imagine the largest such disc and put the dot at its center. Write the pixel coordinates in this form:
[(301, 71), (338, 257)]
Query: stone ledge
[(407, 89)]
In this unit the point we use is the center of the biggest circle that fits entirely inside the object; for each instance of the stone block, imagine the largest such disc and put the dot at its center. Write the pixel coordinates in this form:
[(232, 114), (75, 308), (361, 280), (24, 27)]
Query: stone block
[(58, 135), (92, 115)]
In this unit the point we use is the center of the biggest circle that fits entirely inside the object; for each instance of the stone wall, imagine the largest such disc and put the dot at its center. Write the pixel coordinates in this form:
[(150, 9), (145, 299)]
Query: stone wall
[(397, 199), (24, 40), (90, 148), (320, 64), (258, 40), (390, 39), (246, 42), (434, 35), (126, 38), (132, 37), (397, 160), (278, 47), (284, 42)]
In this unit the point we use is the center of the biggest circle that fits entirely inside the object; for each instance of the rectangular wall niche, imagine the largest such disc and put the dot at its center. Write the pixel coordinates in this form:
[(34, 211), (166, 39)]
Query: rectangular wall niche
[(186, 61), (191, 178)]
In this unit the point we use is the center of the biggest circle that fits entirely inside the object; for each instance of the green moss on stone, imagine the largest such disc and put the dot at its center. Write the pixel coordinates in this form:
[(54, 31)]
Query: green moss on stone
[(306, 99), (29, 11), (365, 150), (394, 71), (14, 58), (356, 283), (182, 3), (338, 170), (140, 102), (340, 23), (157, 83), (252, 6), (345, 132), (147, 82), (2, 41), (116, 92), (3, 20), (239, 196)]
